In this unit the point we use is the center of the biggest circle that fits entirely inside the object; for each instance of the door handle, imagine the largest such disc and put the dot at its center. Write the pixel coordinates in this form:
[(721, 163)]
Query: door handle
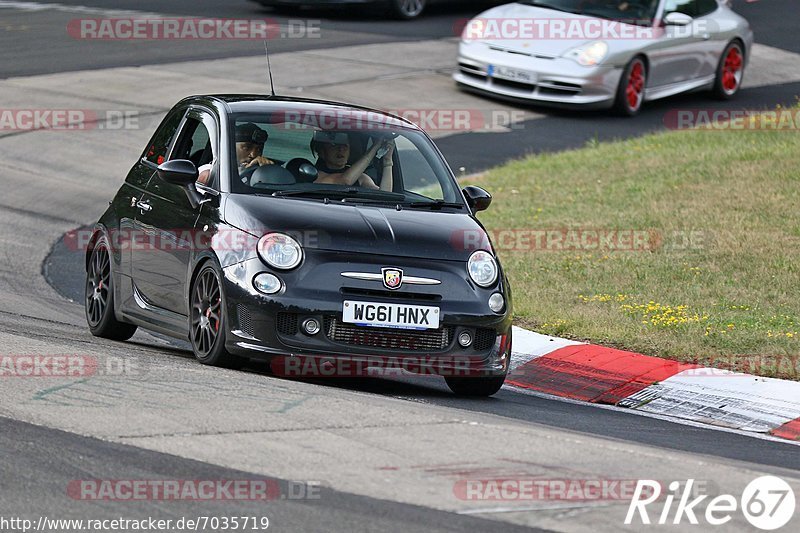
[(144, 206)]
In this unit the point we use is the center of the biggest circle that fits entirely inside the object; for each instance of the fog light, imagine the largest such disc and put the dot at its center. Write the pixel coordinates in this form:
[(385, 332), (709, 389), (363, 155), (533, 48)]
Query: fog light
[(465, 339), (496, 302), (267, 283), (311, 326)]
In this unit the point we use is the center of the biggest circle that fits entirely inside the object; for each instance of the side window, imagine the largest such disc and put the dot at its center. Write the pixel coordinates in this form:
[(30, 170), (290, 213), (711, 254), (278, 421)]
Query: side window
[(194, 143), (687, 7), (704, 7), (198, 144), (418, 176), (156, 150)]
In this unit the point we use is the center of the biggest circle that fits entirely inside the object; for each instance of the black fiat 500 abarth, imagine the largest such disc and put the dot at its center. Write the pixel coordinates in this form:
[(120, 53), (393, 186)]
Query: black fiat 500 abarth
[(279, 228)]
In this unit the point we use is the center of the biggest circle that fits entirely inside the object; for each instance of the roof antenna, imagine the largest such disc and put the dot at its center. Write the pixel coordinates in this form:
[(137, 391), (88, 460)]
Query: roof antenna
[(269, 68)]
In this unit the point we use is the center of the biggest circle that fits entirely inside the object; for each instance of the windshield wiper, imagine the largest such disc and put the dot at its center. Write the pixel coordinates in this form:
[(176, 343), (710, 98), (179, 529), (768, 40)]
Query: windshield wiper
[(350, 193), (304, 192), (435, 204)]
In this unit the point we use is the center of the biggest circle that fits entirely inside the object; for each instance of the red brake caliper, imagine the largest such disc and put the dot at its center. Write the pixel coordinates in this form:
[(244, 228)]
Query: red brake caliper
[(635, 85), (733, 62)]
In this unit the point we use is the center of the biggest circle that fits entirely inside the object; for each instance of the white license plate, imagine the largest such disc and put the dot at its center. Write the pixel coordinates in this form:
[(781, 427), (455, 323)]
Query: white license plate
[(513, 74), (391, 315)]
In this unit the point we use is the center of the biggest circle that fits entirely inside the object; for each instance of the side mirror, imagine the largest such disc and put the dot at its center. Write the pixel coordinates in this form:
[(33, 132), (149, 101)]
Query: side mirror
[(182, 172), (677, 19), (477, 198), (178, 172)]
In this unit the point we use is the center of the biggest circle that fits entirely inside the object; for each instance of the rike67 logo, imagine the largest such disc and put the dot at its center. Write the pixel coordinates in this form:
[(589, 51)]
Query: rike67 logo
[(768, 503)]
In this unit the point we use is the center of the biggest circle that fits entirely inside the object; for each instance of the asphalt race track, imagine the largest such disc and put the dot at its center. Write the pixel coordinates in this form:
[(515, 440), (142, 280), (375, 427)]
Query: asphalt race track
[(386, 454)]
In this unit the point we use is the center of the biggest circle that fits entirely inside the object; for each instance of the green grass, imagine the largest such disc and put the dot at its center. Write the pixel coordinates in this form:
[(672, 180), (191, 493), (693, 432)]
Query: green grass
[(720, 282)]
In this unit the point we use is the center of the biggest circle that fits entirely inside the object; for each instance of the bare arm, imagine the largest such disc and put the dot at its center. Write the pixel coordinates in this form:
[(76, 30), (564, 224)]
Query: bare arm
[(355, 172), (387, 179)]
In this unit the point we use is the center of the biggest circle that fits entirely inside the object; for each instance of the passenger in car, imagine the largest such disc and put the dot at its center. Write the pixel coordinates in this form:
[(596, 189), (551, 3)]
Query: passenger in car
[(333, 152)]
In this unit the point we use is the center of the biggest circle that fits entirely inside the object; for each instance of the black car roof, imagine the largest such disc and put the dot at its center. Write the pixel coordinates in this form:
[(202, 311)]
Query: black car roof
[(255, 103)]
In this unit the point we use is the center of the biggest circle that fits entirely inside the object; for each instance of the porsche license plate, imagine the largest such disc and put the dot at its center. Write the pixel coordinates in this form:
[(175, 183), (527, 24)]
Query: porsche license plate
[(512, 74), (391, 315)]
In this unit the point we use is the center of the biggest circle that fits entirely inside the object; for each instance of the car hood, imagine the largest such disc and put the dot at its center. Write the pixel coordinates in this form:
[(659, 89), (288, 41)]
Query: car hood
[(360, 228), (554, 47)]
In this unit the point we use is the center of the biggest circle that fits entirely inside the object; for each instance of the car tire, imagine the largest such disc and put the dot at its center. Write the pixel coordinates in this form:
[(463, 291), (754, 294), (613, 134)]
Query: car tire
[(475, 386), (730, 71), (407, 9), (631, 88), (99, 296), (208, 319)]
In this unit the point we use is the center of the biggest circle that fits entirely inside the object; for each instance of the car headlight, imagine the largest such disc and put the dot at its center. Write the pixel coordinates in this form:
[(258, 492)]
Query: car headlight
[(482, 268), (589, 54), (280, 251)]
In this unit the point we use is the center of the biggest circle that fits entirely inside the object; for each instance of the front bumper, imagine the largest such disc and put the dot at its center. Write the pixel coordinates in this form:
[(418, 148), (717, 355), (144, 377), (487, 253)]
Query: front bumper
[(264, 327), (557, 81)]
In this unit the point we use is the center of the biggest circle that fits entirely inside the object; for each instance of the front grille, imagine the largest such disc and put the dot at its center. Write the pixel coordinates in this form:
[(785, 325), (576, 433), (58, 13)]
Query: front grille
[(286, 323), (479, 77), (471, 69), (484, 339), (516, 85), (559, 88), (245, 320), (430, 340)]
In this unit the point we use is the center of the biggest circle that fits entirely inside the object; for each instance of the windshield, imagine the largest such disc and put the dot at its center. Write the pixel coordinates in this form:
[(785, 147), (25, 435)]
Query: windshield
[(631, 11), (292, 154)]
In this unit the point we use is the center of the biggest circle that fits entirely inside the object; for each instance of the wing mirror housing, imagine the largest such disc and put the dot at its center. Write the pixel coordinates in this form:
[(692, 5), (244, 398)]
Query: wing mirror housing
[(677, 19), (178, 172), (183, 173), (477, 199)]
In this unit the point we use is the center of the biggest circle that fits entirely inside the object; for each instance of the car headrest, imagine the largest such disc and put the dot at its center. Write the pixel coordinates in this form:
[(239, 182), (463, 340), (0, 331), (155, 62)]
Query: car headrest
[(303, 170), (267, 175)]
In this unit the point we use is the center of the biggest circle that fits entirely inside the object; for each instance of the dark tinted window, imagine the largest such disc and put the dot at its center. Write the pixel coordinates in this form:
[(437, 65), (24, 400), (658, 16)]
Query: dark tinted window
[(156, 150), (687, 7), (194, 143), (704, 7)]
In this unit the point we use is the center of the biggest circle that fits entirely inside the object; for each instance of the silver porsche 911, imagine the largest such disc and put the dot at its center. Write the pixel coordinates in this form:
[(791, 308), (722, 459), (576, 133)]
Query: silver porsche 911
[(604, 53)]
